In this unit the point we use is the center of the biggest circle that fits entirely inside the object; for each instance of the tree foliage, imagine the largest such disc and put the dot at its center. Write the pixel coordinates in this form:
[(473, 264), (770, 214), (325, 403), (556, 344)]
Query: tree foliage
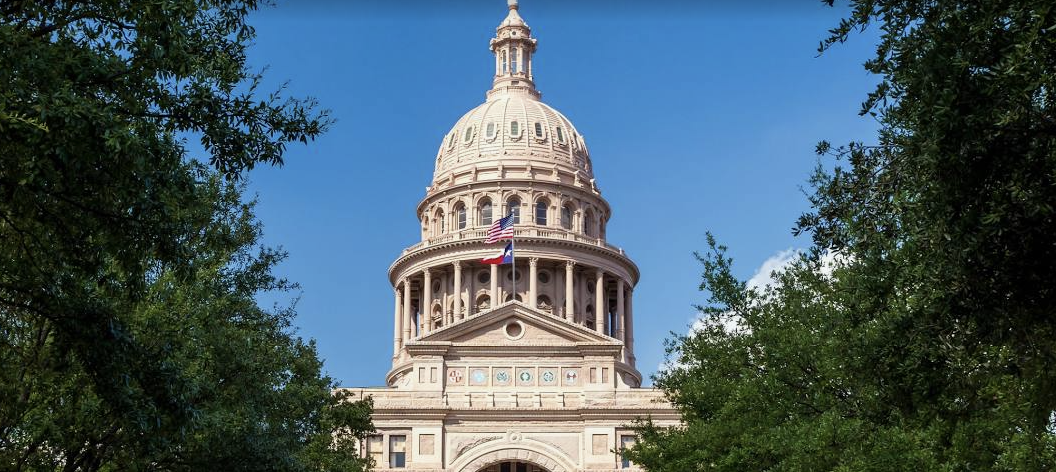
[(918, 331), (131, 338)]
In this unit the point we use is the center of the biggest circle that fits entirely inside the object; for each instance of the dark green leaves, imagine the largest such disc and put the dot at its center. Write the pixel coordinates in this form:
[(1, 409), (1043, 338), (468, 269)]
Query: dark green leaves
[(131, 339), (931, 346)]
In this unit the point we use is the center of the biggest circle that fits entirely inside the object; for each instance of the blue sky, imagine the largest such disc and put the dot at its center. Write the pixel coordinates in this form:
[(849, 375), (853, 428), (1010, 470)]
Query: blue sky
[(698, 117)]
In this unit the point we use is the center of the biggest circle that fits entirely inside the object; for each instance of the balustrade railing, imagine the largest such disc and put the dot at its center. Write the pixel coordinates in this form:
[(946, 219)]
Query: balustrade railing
[(529, 232)]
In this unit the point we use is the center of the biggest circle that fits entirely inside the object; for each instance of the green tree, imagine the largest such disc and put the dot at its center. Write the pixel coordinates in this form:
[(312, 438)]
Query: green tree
[(131, 338), (918, 331)]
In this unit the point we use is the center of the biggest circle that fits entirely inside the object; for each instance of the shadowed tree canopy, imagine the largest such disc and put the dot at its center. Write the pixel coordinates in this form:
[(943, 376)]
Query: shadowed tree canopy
[(131, 337), (919, 331)]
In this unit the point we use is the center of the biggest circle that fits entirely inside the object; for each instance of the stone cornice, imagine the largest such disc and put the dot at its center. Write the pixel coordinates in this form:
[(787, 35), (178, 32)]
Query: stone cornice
[(584, 190), (408, 260), (389, 411)]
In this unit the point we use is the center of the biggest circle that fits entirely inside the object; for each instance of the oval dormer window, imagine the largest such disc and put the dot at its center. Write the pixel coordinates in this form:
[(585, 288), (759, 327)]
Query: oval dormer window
[(515, 129), (468, 137), (451, 140), (538, 130), (560, 135), (489, 131)]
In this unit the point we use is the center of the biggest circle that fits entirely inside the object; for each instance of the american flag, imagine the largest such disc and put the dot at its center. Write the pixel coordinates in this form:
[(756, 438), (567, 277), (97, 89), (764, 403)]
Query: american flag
[(499, 230)]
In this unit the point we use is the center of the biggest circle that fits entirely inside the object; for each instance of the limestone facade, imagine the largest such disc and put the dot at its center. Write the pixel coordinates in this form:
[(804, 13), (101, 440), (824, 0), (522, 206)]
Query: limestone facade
[(496, 369)]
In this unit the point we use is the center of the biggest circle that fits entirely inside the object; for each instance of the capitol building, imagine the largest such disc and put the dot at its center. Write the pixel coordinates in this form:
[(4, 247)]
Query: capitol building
[(519, 367)]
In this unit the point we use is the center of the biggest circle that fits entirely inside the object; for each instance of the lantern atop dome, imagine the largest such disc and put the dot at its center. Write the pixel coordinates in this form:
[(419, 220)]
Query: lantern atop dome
[(513, 46)]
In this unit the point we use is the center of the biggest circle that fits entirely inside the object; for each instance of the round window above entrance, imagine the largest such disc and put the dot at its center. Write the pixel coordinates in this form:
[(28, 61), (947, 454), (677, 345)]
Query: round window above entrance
[(514, 330)]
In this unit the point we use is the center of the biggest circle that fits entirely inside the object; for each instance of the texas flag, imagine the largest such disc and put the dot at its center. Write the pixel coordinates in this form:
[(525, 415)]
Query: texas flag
[(504, 257)]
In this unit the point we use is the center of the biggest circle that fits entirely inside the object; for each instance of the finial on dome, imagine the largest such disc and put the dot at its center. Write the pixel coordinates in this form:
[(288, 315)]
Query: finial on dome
[(512, 4)]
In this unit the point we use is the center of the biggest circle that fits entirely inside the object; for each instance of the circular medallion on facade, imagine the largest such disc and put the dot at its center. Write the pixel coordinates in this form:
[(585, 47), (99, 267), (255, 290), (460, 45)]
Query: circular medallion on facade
[(548, 376), (454, 376), (502, 376), (479, 377), (525, 376), (570, 377)]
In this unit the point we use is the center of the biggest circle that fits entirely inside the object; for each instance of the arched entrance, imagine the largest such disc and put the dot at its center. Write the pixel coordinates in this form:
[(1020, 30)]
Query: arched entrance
[(525, 456), (513, 466)]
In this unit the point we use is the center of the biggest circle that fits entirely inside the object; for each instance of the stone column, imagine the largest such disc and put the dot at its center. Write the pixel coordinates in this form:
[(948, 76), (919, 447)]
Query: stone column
[(570, 314), (629, 342), (533, 271), (494, 293), (427, 304), (458, 291), (581, 295), (406, 308), (397, 323), (448, 317), (471, 301), (599, 302), (621, 315)]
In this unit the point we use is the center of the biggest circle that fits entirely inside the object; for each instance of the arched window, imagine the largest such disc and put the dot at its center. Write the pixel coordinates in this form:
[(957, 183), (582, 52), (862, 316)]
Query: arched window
[(588, 223), (460, 215), (540, 212), (485, 213), (544, 303), (513, 207), (483, 302), (566, 217), (505, 65), (516, 53), (441, 222)]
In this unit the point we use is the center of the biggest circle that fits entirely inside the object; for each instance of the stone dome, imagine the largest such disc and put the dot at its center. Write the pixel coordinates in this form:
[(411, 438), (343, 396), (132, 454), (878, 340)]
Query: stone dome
[(513, 125)]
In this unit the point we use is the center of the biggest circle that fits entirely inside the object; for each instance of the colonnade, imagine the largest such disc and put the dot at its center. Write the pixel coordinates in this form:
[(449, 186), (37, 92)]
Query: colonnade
[(416, 315)]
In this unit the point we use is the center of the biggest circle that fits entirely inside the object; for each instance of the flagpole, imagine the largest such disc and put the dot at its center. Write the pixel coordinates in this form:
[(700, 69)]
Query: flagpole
[(513, 249)]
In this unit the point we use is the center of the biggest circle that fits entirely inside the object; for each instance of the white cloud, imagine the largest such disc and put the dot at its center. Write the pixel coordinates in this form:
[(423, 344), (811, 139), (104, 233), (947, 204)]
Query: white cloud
[(777, 262), (759, 280), (762, 277)]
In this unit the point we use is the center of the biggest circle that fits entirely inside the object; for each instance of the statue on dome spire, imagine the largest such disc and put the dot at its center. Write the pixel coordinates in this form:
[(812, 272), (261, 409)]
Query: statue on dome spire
[(513, 46)]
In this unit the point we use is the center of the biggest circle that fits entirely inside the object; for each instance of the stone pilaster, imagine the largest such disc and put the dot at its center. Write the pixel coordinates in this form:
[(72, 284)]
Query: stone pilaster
[(458, 291), (599, 302), (397, 323), (533, 274), (621, 315), (427, 299), (406, 308), (494, 294), (570, 303)]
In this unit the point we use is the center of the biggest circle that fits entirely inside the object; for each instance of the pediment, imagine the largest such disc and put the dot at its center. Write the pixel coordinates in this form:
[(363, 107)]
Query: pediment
[(516, 324)]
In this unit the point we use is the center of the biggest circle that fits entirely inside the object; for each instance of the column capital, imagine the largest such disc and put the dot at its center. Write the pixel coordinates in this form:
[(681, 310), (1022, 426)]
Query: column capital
[(600, 273), (570, 264), (457, 264), (427, 271), (533, 261)]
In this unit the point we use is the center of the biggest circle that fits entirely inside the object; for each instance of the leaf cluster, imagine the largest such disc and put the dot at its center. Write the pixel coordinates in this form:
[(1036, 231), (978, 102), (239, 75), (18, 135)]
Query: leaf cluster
[(130, 336), (917, 333)]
